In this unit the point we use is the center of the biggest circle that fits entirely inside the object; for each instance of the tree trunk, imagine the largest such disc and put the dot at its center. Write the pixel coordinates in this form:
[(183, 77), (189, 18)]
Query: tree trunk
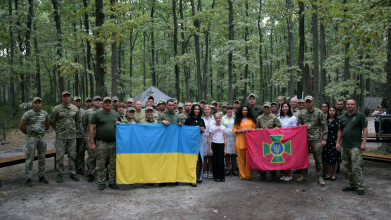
[(37, 66), (261, 89), (153, 74), (12, 89), (28, 47), (57, 19), (271, 66), (389, 67), (291, 86), (100, 51), (114, 54), (197, 50), (301, 53), (315, 54), (322, 60), (246, 36), (176, 48), (346, 59), (205, 67), (87, 27), (230, 55), (185, 67), (144, 71)]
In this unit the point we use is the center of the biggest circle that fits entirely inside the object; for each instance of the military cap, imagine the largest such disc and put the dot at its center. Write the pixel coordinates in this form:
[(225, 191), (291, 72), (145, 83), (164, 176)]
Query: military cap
[(115, 98), (130, 109), (96, 97), (236, 101), (213, 102), (148, 108), (301, 101), (106, 98), (175, 100), (212, 106), (65, 93), (224, 104), (88, 99), (76, 98), (202, 101), (180, 105), (129, 100), (229, 107), (252, 94), (162, 102), (37, 98), (267, 104), (274, 103), (151, 97), (308, 97)]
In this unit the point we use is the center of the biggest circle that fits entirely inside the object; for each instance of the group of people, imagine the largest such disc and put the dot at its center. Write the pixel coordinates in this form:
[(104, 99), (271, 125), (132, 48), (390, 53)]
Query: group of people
[(222, 128)]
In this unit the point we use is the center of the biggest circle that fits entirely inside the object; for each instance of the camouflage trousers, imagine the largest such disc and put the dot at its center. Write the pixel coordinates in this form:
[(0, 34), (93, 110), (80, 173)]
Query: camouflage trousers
[(317, 152), (62, 146), (39, 144), (353, 167), (80, 153), (91, 160), (105, 151)]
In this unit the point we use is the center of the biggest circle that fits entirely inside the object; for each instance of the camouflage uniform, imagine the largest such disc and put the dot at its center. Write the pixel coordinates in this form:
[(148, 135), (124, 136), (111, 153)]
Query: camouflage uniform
[(35, 140), (65, 120), (267, 122), (353, 163), (127, 120), (146, 121), (105, 151), (80, 144), (91, 160), (296, 112), (314, 120), (183, 117)]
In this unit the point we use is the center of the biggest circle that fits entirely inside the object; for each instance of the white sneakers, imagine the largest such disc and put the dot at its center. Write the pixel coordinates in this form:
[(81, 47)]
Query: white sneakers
[(282, 178), (285, 178)]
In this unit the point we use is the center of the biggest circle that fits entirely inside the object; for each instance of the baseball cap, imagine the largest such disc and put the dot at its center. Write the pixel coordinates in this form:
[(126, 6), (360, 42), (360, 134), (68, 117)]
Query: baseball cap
[(267, 104), (252, 94), (130, 109), (224, 104), (308, 97), (180, 105), (37, 98), (274, 103), (301, 101), (212, 106), (202, 101), (236, 101), (129, 100), (213, 102), (96, 97), (65, 93), (76, 98), (148, 108), (88, 99), (175, 100), (115, 98), (106, 98)]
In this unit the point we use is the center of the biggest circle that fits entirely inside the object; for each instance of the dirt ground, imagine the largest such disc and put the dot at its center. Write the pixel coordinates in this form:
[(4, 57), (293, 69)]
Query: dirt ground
[(234, 199)]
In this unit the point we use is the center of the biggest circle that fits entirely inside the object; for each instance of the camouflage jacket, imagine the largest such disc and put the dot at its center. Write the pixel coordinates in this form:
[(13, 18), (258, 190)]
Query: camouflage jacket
[(86, 120), (267, 122), (146, 121), (296, 112), (314, 120), (127, 120), (183, 117), (80, 133), (66, 120), (35, 125)]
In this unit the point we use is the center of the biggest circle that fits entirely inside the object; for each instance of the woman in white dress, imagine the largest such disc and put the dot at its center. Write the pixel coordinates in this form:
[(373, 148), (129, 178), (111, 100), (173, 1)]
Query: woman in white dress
[(209, 121), (230, 158), (287, 120)]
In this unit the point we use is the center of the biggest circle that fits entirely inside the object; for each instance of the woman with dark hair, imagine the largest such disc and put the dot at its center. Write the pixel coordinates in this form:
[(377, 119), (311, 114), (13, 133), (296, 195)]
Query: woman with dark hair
[(331, 157), (195, 119), (287, 120), (120, 109), (325, 108), (244, 122)]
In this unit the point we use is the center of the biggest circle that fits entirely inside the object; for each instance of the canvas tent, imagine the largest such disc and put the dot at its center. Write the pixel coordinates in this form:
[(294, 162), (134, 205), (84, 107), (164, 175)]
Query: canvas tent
[(151, 91), (371, 103)]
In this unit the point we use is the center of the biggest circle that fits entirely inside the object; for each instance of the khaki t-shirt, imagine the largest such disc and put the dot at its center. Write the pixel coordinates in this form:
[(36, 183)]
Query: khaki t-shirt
[(139, 116)]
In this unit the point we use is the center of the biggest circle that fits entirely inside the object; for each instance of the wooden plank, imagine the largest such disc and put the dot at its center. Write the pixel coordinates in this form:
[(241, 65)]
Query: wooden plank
[(373, 135), (22, 159), (377, 155)]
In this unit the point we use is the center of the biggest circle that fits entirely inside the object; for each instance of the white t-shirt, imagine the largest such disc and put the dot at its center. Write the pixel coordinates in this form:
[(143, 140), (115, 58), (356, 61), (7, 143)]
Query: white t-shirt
[(287, 121), (218, 133)]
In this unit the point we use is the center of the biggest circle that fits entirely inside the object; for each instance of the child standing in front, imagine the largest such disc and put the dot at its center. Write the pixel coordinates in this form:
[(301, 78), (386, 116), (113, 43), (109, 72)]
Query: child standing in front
[(218, 148)]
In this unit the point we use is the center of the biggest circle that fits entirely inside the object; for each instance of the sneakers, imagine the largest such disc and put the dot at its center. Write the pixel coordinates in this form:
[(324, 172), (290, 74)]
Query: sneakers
[(113, 186), (102, 186), (360, 192), (74, 177), (348, 189), (301, 179), (321, 181), (43, 180), (210, 176), (288, 179), (80, 172), (91, 177), (283, 177), (28, 183), (59, 178)]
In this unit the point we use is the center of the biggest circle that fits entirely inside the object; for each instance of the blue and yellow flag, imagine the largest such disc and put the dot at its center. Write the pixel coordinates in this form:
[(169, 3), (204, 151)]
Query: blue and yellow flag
[(156, 153)]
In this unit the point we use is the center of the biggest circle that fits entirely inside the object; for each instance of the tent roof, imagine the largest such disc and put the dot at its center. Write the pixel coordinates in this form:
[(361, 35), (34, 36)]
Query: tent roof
[(151, 91), (372, 102)]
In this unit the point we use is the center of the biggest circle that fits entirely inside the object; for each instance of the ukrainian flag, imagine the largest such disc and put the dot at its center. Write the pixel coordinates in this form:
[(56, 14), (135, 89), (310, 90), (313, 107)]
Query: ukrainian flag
[(156, 153)]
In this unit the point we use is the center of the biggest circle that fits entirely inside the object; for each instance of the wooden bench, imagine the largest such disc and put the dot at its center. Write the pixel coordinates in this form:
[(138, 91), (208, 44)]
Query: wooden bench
[(22, 159), (373, 137), (376, 157)]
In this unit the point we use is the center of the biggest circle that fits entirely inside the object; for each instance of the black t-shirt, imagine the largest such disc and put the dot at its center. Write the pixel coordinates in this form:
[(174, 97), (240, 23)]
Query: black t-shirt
[(195, 121), (105, 124)]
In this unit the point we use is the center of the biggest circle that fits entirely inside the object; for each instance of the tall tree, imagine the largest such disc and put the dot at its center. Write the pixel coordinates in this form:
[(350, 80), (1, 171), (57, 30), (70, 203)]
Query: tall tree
[(153, 72), (57, 20), (12, 89), (186, 69), (196, 23), (230, 54), (389, 65), (100, 51), (301, 53), (28, 46), (291, 85), (322, 60), (261, 90), (315, 53), (114, 55), (176, 48), (87, 29), (246, 39)]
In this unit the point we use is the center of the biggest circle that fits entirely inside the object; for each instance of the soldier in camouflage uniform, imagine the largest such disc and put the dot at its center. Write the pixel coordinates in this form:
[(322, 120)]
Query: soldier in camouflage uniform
[(295, 106), (268, 121), (80, 140), (65, 120), (149, 119), (34, 123), (104, 122), (87, 103), (340, 112), (129, 117), (301, 104), (91, 160), (180, 108), (252, 102), (315, 120), (186, 112), (224, 108), (353, 126)]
